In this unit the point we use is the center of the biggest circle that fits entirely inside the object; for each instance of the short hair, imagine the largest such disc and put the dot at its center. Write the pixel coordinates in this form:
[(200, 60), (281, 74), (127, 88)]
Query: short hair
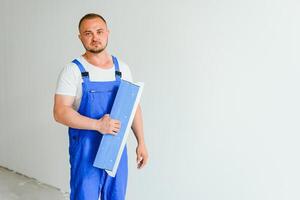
[(90, 16)]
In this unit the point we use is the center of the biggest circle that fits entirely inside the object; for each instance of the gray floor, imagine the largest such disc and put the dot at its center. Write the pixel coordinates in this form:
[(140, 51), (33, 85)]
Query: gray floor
[(16, 186)]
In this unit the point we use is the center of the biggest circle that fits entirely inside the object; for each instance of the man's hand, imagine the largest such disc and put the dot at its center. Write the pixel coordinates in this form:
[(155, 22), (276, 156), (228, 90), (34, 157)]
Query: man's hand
[(141, 156), (107, 125)]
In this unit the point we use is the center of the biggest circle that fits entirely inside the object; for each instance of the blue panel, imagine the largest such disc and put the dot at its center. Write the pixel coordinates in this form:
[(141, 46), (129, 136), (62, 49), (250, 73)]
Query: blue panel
[(121, 110)]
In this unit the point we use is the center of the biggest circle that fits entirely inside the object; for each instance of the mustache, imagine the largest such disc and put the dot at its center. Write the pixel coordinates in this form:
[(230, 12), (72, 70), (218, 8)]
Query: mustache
[(95, 42)]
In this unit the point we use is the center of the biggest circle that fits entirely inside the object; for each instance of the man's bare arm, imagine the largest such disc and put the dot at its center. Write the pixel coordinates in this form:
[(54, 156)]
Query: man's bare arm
[(137, 128), (65, 114)]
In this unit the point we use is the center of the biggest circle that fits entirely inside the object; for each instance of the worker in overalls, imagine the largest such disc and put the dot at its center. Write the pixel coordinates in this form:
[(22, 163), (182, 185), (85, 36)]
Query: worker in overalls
[(85, 92)]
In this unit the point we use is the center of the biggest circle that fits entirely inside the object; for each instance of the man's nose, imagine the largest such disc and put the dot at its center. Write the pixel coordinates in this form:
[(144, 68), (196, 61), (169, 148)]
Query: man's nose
[(95, 37)]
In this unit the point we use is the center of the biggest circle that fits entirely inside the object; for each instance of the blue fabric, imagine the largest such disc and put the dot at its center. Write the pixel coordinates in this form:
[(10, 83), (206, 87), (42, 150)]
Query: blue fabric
[(88, 182)]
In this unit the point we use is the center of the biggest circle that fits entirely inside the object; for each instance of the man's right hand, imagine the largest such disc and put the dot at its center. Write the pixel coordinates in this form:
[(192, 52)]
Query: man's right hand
[(107, 125)]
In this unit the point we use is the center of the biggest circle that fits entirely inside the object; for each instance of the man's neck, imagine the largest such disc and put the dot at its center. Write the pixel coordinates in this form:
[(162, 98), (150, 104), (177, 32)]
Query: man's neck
[(102, 60)]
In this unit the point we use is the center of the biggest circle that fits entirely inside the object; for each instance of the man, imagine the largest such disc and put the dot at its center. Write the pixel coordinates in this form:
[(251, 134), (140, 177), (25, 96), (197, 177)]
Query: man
[(85, 92)]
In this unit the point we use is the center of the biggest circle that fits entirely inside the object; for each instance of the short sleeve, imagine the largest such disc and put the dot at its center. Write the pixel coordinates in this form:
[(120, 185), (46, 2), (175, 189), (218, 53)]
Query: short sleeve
[(126, 73), (67, 82)]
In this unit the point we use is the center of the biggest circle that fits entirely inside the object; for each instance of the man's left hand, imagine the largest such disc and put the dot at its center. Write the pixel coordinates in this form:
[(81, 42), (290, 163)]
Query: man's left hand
[(141, 156)]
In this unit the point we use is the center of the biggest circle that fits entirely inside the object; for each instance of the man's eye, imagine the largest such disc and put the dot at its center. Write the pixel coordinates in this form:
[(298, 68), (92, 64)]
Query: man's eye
[(88, 34), (100, 32)]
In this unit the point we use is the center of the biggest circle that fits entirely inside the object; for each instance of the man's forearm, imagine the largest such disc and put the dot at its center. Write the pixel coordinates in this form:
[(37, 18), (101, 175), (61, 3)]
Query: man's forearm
[(69, 117), (137, 126)]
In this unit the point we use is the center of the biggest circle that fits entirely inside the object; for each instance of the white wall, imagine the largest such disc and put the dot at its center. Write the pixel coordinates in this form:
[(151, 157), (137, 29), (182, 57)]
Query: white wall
[(221, 102)]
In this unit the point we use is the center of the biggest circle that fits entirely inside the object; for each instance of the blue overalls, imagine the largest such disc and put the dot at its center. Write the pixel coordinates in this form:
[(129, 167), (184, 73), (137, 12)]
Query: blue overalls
[(88, 182)]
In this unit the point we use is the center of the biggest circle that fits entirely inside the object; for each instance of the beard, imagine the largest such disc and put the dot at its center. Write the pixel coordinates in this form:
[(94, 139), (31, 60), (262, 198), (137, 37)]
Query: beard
[(96, 50)]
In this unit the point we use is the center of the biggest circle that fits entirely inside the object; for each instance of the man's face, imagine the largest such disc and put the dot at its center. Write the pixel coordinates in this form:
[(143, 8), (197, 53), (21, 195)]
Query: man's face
[(94, 35)]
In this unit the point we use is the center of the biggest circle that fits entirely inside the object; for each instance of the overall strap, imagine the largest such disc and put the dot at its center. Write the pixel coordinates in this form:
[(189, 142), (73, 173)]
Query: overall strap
[(118, 73), (84, 74)]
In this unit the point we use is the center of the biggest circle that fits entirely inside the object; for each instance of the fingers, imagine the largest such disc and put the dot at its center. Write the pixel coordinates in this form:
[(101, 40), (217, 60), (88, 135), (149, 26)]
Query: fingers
[(142, 159), (109, 125), (115, 130), (116, 125), (141, 163)]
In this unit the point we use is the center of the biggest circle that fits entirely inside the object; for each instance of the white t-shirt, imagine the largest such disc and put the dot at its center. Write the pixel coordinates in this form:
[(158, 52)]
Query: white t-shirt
[(70, 80)]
